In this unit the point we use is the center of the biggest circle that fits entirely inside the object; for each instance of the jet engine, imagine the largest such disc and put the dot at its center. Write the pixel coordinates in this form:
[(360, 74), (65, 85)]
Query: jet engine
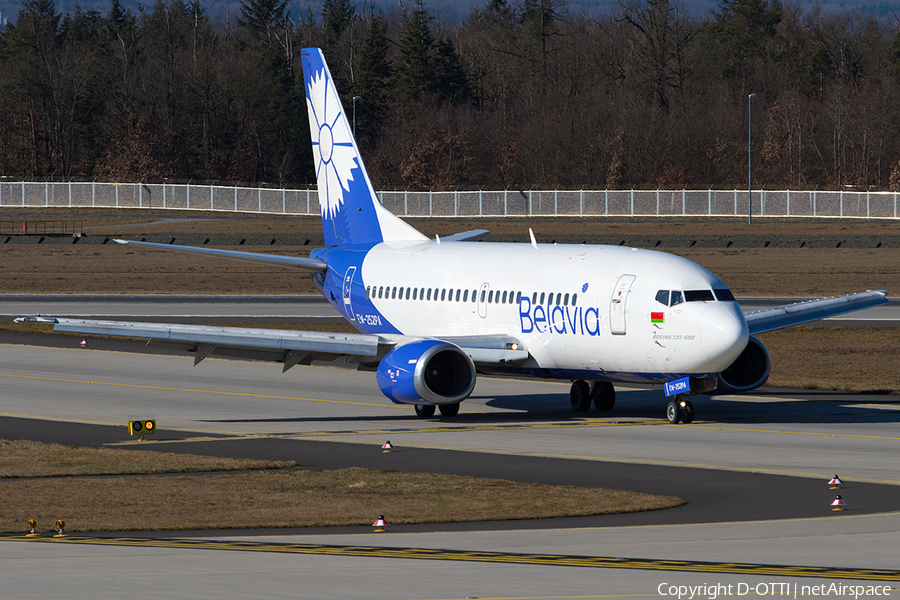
[(426, 372), (749, 371)]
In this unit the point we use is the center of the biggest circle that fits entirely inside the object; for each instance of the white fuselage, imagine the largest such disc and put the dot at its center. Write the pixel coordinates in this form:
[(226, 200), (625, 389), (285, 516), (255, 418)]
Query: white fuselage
[(591, 311)]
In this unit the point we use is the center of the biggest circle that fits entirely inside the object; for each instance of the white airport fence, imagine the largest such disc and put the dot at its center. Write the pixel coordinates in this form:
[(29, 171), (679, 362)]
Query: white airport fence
[(482, 203)]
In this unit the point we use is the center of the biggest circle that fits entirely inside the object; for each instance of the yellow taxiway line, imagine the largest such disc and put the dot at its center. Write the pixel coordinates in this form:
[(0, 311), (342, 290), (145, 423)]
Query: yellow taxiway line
[(599, 562)]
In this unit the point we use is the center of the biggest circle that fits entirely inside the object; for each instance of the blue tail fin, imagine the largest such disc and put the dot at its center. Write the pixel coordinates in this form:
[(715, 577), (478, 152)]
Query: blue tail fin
[(351, 212)]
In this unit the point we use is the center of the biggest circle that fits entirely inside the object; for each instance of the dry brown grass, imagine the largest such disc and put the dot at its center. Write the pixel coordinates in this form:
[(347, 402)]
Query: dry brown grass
[(262, 499), (110, 268), (24, 458), (852, 359)]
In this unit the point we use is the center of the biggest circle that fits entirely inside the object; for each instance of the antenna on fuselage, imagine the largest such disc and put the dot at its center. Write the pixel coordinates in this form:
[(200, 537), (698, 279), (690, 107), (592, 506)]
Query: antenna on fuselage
[(533, 241)]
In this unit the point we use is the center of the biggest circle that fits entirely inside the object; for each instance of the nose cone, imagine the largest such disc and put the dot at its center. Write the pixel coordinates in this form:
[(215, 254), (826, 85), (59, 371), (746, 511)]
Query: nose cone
[(723, 333)]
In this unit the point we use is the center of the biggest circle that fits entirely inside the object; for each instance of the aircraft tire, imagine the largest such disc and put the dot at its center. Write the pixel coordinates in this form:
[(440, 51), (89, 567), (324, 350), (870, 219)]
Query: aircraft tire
[(425, 410), (604, 395), (580, 396), (673, 411), (687, 413), (449, 410)]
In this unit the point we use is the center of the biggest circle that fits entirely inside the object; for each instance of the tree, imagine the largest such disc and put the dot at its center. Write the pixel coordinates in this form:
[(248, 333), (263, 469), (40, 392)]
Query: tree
[(414, 70), (663, 37), (372, 83), (438, 161), (336, 16), (738, 35)]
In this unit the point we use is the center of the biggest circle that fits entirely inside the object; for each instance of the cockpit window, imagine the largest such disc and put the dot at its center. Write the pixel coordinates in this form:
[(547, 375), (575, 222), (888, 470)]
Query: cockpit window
[(724, 295), (698, 295), (662, 296), (676, 298)]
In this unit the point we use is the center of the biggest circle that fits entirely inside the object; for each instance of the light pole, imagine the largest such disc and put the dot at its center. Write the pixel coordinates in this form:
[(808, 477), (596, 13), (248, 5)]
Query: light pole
[(355, 98), (750, 159)]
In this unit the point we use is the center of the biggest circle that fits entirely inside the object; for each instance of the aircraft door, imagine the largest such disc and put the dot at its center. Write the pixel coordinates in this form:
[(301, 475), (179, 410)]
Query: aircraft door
[(347, 292), (618, 304), (483, 292)]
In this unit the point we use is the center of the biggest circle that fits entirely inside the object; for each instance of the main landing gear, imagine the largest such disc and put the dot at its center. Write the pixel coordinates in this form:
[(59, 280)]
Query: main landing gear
[(601, 393), (427, 410), (680, 409)]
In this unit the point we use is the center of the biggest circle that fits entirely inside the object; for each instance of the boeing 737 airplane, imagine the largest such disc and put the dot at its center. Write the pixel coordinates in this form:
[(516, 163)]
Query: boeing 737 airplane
[(434, 313)]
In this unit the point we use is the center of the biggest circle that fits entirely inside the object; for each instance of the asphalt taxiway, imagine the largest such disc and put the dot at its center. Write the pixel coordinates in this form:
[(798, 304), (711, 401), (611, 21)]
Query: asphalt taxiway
[(753, 470)]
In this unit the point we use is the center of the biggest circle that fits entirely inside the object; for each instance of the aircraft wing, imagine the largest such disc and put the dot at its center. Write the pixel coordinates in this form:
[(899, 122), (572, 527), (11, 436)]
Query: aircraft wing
[(296, 262), (273, 345), (769, 319), (290, 347)]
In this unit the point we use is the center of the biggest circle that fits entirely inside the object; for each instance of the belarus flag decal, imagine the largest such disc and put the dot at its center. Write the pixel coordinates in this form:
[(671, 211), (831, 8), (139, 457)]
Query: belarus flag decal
[(657, 317)]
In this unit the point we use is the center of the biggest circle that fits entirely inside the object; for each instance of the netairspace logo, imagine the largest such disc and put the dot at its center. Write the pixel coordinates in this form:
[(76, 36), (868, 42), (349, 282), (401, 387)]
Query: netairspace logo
[(794, 590)]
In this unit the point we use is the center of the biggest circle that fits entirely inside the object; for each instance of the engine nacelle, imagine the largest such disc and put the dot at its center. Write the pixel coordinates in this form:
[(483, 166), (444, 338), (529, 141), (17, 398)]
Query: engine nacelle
[(749, 371), (426, 372)]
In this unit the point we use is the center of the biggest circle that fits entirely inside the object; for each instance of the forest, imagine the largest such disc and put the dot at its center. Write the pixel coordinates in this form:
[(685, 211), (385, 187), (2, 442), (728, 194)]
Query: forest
[(518, 94)]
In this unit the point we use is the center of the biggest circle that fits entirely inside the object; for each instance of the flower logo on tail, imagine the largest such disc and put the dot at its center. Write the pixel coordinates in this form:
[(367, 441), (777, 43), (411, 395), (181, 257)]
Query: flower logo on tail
[(333, 150)]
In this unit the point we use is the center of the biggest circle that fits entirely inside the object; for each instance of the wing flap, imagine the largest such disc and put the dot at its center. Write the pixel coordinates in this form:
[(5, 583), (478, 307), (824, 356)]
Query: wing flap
[(294, 262), (214, 340), (769, 319)]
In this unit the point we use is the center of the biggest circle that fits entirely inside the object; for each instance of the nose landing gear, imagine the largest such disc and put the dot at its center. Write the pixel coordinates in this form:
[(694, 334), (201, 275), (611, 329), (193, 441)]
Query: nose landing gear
[(680, 409)]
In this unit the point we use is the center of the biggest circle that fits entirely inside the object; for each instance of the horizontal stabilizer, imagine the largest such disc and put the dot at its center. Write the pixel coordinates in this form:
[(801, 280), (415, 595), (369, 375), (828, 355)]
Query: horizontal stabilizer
[(466, 235), (769, 319), (293, 262)]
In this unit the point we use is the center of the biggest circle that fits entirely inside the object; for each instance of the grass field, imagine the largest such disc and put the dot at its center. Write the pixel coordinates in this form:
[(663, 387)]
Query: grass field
[(47, 482)]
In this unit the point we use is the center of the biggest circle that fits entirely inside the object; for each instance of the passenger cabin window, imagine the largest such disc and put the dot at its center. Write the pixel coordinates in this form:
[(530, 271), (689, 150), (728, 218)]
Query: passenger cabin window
[(465, 295), (518, 297), (724, 295), (698, 296), (574, 297)]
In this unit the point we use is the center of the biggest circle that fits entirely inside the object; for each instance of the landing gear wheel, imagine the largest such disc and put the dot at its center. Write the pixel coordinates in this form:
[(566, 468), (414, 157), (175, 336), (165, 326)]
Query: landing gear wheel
[(425, 410), (604, 395), (449, 410), (673, 411), (687, 412), (580, 396)]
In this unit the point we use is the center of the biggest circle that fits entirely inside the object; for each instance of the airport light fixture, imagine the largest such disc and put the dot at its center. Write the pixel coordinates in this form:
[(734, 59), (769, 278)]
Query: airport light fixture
[(750, 159), (355, 98), (142, 427)]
